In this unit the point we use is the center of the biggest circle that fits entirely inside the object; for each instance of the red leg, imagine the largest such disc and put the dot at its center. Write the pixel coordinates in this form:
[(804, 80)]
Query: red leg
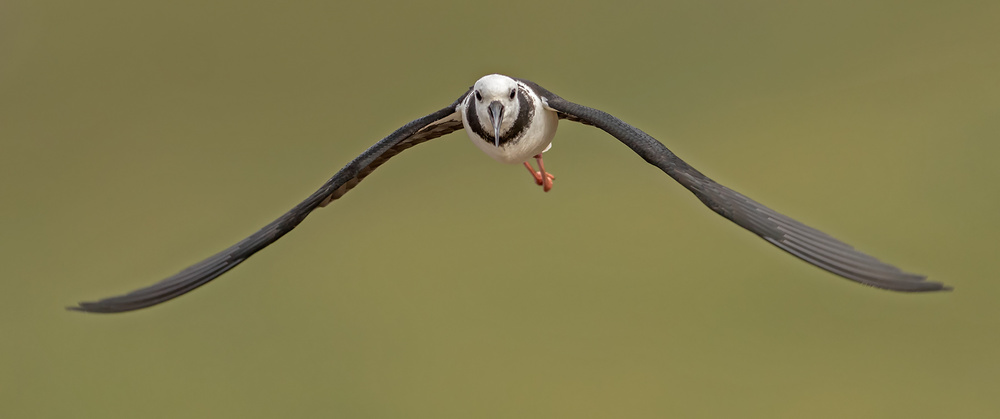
[(537, 175), (542, 178), (546, 178)]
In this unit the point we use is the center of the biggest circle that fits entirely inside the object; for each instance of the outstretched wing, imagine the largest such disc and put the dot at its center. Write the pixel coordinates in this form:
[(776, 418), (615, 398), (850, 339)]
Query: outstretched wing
[(415, 132), (800, 240)]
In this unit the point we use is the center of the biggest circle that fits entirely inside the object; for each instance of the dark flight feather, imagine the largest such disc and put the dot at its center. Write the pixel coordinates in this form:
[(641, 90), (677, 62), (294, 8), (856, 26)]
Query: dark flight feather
[(800, 240), (415, 132), (804, 242)]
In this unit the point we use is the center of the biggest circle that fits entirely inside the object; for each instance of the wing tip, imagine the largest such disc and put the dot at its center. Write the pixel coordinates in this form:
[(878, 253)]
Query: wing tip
[(99, 307), (87, 307), (940, 287), (910, 286)]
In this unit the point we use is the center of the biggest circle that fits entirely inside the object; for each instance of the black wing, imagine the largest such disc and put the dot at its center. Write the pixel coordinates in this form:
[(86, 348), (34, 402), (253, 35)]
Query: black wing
[(415, 132), (804, 242)]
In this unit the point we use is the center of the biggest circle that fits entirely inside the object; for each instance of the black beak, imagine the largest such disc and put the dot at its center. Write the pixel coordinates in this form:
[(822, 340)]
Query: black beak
[(496, 116)]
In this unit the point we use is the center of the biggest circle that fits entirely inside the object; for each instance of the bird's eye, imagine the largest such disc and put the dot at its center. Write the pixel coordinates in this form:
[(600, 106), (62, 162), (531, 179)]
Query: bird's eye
[(479, 97), (512, 93)]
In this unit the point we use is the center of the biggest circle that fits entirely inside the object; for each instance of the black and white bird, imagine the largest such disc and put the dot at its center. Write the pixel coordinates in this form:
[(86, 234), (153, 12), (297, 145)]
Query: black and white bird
[(512, 121)]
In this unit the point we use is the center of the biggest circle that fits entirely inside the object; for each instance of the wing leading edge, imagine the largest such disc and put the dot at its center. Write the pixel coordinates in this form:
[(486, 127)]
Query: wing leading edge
[(800, 240), (415, 132)]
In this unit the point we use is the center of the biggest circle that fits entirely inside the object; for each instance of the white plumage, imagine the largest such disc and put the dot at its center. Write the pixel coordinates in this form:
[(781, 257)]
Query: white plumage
[(537, 136)]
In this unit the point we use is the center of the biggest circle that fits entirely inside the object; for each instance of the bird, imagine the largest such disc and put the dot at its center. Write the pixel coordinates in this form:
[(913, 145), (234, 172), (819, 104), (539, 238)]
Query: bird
[(514, 120)]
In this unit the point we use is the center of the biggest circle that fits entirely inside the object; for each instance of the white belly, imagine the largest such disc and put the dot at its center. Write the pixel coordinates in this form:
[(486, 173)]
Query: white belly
[(537, 138)]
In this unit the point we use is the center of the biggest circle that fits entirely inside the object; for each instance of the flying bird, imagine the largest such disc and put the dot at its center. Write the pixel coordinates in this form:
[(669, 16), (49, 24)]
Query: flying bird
[(513, 121)]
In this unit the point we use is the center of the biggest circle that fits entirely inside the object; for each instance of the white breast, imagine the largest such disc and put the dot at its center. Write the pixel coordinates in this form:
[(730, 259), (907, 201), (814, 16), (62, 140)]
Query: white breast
[(537, 137)]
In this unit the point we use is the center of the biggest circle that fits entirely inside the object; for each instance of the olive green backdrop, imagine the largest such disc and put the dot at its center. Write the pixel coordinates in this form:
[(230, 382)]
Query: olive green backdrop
[(140, 137)]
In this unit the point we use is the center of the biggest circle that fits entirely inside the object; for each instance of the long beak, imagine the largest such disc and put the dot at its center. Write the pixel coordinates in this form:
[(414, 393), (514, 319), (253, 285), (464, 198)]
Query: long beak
[(496, 116)]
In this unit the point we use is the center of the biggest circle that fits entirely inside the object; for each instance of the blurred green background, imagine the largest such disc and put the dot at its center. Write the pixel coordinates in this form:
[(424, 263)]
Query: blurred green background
[(140, 137)]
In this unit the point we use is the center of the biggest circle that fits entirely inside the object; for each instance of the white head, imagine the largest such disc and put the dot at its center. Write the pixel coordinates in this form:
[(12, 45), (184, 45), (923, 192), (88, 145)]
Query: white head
[(495, 100)]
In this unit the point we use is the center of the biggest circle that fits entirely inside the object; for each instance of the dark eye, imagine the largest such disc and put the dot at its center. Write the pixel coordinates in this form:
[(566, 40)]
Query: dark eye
[(479, 97), (512, 93)]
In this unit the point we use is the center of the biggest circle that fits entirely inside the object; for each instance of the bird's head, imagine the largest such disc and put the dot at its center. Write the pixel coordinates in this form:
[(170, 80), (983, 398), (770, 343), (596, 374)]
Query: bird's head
[(495, 100)]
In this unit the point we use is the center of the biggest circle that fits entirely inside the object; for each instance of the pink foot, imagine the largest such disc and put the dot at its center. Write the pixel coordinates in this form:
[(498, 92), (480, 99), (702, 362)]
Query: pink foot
[(542, 178)]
